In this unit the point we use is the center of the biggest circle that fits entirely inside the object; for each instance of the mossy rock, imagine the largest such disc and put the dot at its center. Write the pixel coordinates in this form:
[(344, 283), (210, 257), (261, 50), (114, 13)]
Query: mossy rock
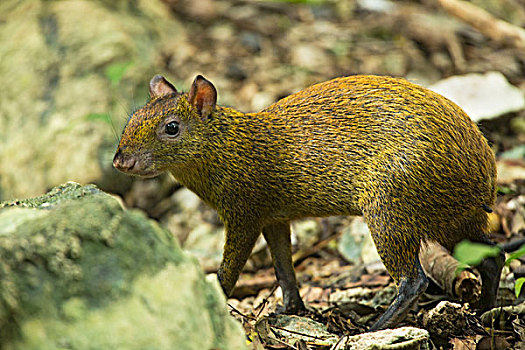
[(77, 271)]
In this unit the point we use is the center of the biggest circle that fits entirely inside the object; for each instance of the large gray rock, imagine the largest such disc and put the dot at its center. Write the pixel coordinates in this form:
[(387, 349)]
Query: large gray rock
[(77, 271), (482, 96), (70, 72)]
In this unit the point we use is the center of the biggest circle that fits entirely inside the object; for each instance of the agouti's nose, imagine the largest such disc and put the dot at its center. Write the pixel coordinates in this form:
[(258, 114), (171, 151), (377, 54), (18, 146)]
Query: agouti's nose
[(124, 163)]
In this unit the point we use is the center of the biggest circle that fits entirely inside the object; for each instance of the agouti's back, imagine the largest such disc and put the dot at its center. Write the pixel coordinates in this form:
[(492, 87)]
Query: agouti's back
[(407, 159), (334, 146)]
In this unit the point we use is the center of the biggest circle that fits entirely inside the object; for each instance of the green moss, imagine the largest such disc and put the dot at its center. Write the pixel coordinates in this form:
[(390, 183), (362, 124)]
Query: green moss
[(58, 194), (74, 241), (115, 71), (149, 317)]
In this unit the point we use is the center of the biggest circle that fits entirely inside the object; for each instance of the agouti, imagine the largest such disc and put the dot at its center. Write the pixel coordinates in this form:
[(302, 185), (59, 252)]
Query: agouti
[(408, 159)]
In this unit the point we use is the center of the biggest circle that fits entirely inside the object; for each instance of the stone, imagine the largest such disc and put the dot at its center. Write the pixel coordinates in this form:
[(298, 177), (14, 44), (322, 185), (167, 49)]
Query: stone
[(293, 329), (356, 244), (409, 338), (482, 96), (78, 271), (449, 320)]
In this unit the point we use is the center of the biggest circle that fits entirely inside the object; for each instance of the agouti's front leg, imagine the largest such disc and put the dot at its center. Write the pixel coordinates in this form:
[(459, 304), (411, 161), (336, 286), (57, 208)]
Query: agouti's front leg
[(240, 240), (278, 238)]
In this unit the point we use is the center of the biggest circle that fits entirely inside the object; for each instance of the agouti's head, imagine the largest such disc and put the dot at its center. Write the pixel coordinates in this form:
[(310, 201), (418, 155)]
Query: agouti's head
[(166, 132)]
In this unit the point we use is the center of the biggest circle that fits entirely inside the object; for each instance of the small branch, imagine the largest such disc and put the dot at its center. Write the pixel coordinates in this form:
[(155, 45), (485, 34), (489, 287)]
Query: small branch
[(496, 29), (441, 267), (241, 314), (297, 333), (266, 300), (301, 255)]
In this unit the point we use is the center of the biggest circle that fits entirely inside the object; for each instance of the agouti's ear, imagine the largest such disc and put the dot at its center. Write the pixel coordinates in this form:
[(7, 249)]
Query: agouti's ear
[(203, 96), (158, 86)]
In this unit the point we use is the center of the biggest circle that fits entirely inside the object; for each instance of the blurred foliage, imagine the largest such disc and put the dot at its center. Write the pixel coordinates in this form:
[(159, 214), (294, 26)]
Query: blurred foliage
[(115, 71), (471, 253), (516, 255), (104, 117)]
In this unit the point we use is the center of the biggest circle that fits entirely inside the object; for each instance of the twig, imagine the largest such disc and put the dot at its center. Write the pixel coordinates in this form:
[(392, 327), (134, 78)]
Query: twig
[(266, 299), (496, 29), (441, 267), (240, 313), (301, 255), (298, 333)]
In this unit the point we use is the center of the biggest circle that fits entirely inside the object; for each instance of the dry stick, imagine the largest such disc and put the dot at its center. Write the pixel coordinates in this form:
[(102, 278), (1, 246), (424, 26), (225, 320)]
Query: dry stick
[(285, 344), (264, 334), (301, 255), (485, 23), (241, 314), (251, 286), (441, 267), (297, 333), (266, 300)]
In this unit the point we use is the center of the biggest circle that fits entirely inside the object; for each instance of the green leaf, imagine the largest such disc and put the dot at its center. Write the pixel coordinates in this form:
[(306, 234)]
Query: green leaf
[(519, 284), (471, 253), (515, 255), (505, 190), (115, 71)]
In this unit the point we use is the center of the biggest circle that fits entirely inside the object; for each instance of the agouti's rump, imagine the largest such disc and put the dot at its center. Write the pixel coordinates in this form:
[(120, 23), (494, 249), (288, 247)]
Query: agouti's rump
[(406, 158)]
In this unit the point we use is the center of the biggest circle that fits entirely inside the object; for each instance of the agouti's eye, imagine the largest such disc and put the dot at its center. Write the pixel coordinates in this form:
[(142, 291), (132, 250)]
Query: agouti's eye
[(172, 128)]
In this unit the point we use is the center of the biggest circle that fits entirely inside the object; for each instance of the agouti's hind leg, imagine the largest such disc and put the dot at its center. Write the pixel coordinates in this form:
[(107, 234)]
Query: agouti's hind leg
[(278, 238), (399, 252), (409, 290)]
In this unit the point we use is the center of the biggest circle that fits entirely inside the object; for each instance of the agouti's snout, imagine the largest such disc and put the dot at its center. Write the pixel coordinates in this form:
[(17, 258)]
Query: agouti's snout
[(132, 164), (124, 163)]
